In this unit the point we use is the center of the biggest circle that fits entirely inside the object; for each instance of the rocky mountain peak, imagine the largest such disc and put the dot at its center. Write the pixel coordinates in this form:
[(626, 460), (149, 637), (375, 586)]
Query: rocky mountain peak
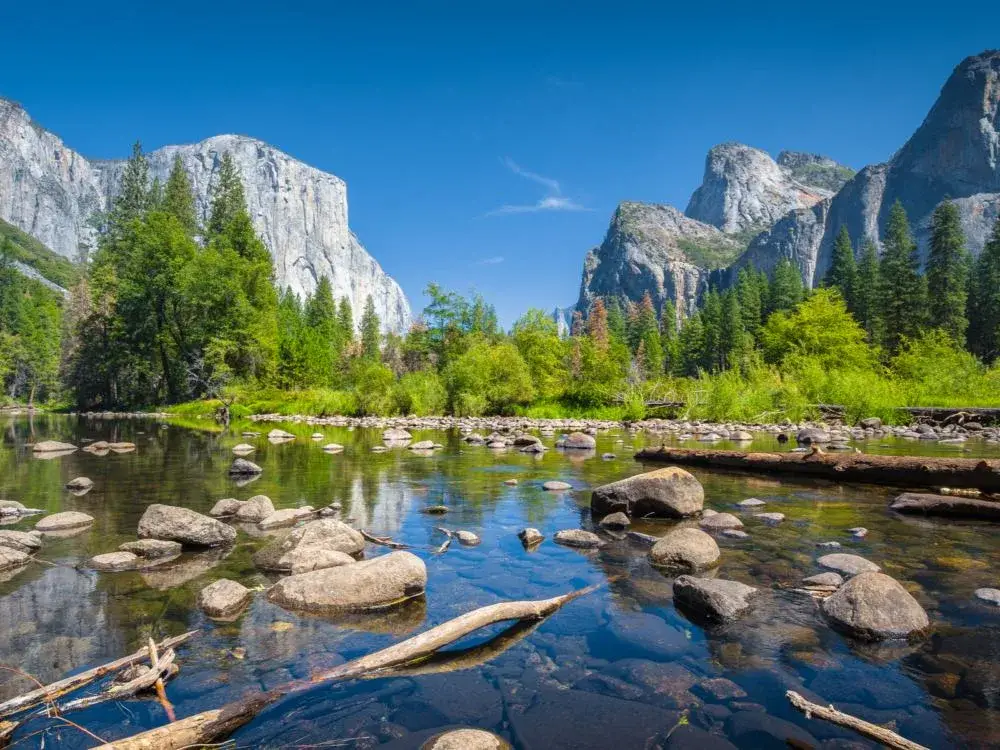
[(744, 190)]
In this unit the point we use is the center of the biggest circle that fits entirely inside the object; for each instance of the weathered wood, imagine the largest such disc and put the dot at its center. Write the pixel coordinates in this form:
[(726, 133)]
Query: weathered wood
[(950, 506), (199, 729), (872, 731), (212, 725), (117, 692), (907, 471), (54, 690), (384, 541)]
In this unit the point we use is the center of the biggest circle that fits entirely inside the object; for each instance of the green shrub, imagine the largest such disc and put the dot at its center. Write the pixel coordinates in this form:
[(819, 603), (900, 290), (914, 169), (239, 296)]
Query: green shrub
[(421, 393)]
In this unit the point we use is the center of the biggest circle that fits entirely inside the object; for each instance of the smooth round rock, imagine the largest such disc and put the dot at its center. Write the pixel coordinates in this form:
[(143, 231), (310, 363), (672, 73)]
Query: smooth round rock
[(770, 518), (185, 526), (556, 486), (372, 584), (277, 434), (255, 510), (11, 558), (578, 538), (579, 441), (285, 517), (713, 599), (324, 543), (228, 506), (751, 502), (240, 467), (243, 448), (333, 448), (69, 519), (687, 549), (670, 492), (467, 538), (53, 446), (224, 598), (530, 537), (615, 521), (847, 564), (22, 541), (115, 561), (990, 596), (824, 579), (720, 521), (152, 549), (872, 606), (465, 739), (735, 534)]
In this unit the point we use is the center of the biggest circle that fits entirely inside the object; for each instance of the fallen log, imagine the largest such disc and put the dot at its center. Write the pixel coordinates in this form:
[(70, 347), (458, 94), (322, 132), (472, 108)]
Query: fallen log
[(908, 471), (144, 681), (209, 726), (952, 506), (384, 541), (54, 690), (872, 731)]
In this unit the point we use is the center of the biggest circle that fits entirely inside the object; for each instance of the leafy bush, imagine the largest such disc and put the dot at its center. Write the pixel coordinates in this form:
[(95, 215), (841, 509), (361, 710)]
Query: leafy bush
[(491, 378), (421, 393)]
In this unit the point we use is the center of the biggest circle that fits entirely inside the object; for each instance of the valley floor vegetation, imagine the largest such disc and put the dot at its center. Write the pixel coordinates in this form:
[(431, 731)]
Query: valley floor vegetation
[(167, 310)]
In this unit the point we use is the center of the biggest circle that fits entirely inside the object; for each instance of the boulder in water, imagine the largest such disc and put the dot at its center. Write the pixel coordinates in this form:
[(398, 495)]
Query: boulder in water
[(465, 739), (22, 541), (185, 526), (254, 510), (847, 564), (324, 543), (115, 561), (687, 549), (364, 586), (578, 538), (579, 441), (80, 483), (713, 599), (69, 519), (224, 598), (240, 467), (872, 606), (52, 446), (670, 492), (152, 549), (226, 507)]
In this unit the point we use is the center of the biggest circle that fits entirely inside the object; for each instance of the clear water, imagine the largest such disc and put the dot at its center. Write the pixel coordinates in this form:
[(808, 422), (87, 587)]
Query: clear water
[(619, 668)]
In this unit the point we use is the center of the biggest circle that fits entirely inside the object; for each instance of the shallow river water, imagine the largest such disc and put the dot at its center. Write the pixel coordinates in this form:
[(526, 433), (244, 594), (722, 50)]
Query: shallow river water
[(619, 668)]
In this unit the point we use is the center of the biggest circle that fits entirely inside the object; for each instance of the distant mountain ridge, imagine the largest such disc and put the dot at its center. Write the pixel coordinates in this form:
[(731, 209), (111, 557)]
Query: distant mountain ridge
[(793, 207), (51, 192)]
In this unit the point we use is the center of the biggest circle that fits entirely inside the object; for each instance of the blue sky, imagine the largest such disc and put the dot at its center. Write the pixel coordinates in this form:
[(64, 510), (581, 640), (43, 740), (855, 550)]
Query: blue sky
[(485, 145)]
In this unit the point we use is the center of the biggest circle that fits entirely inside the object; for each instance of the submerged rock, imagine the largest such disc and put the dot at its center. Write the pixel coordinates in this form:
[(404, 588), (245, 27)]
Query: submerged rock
[(770, 518), (465, 739), (115, 561), (372, 584), (556, 486), (69, 519), (152, 549), (185, 526), (578, 538), (324, 543), (530, 537), (720, 521), (687, 549), (713, 599), (873, 606), (670, 492), (254, 510), (848, 565), (240, 467), (22, 541), (423, 445), (224, 598)]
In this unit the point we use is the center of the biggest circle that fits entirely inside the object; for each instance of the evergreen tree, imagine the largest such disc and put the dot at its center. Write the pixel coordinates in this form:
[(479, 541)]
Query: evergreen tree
[(669, 340), (321, 334), (732, 335), (867, 308), (228, 198), (178, 197), (903, 291), (711, 358), (345, 322), (132, 200), (984, 300), (843, 271), (691, 346), (751, 290), (371, 338), (948, 273), (648, 331), (786, 289), (597, 325), (616, 319)]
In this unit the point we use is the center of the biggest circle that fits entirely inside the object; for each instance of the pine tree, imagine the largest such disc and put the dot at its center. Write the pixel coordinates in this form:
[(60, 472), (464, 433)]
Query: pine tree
[(948, 272), (732, 334), (749, 288), (651, 358), (786, 289), (133, 197), (843, 271), (178, 197), (228, 198), (902, 289), (867, 309), (669, 340), (984, 300), (371, 337), (597, 325), (616, 319), (711, 358), (691, 346)]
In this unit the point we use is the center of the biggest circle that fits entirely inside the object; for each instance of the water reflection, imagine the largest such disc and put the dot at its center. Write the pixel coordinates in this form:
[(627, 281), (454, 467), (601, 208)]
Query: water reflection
[(615, 668)]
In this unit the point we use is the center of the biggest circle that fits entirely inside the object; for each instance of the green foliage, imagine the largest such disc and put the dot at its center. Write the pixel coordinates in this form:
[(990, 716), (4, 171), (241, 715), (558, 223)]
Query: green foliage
[(371, 337), (488, 379), (948, 273), (867, 307), (902, 289), (984, 300), (373, 384), (422, 393), (537, 339), (843, 272), (22, 247), (786, 290)]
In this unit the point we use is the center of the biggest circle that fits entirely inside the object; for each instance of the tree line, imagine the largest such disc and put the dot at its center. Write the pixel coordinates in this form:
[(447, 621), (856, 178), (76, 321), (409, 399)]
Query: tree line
[(173, 308)]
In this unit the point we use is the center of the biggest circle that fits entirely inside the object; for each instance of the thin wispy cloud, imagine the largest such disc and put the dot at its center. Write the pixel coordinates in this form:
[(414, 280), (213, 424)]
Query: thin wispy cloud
[(553, 200), (490, 261), (562, 82)]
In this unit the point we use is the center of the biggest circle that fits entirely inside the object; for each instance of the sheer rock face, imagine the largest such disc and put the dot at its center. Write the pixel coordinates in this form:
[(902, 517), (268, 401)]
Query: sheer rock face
[(50, 191), (655, 249), (745, 189)]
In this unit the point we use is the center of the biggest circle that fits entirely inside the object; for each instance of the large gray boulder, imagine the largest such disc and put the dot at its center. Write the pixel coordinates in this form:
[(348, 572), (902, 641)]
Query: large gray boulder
[(713, 599), (324, 543), (372, 584), (687, 549), (224, 598), (872, 606), (185, 526), (670, 492), (22, 541)]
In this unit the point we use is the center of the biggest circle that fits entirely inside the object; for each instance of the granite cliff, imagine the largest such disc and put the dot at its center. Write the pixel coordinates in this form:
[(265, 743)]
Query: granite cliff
[(51, 192)]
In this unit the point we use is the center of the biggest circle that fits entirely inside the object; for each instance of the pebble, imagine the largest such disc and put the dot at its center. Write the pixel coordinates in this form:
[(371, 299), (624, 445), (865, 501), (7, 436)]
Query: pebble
[(752, 502), (770, 517)]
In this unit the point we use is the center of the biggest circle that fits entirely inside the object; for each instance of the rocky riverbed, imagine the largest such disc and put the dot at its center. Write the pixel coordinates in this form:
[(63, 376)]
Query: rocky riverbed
[(717, 592)]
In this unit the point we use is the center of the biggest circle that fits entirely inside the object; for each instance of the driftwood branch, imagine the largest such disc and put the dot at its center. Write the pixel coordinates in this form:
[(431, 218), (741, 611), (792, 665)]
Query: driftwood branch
[(869, 730), (209, 726), (384, 541), (54, 690), (144, 681)]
